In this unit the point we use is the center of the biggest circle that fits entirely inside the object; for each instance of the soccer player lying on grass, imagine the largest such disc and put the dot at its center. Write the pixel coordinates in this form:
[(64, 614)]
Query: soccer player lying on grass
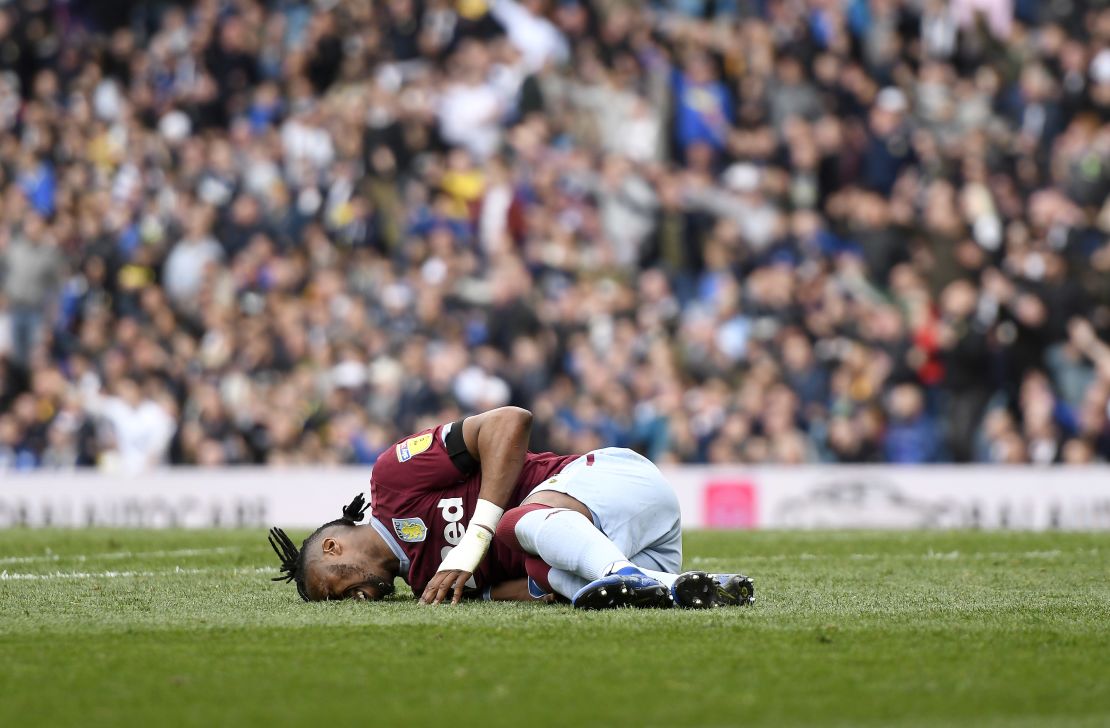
[(465, 509)]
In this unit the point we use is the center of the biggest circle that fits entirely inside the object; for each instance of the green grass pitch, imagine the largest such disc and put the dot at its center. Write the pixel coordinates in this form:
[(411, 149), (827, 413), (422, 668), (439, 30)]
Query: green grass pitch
[(858, 628)]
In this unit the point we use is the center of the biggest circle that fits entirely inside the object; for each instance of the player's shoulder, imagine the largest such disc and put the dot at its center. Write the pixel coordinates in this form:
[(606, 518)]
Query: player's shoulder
[(409, 447)]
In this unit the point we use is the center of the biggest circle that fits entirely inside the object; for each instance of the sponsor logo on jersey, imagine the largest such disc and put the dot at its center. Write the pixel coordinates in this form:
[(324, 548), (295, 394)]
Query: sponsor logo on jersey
[(413, 447), (452, 511), (410, 530)]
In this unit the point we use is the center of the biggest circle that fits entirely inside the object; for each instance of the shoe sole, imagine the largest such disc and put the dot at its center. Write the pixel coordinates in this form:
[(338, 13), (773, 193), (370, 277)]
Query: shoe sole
[(738, 592), (621, 595), (695, 590), (699, 590)]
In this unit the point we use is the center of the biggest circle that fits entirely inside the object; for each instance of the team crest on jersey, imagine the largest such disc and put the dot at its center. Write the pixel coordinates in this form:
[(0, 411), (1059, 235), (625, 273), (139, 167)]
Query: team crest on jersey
[(412, 447), (410, 530)]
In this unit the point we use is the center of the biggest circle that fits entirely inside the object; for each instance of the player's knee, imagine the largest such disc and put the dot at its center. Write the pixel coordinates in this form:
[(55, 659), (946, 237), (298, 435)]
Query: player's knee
[(506, 528)]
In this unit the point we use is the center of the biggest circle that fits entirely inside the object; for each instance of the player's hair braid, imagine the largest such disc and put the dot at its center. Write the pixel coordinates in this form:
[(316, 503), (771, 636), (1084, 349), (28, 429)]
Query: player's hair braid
[(287, 553), (292, 558), (356, 511)]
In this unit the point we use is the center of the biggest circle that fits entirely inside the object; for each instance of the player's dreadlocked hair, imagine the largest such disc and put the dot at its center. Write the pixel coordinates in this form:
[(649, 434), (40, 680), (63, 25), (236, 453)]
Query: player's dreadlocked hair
[(292, 559)]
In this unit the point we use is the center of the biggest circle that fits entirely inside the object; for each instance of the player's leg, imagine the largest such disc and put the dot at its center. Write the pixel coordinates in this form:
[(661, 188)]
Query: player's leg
[(633, 505), (544, 580), (662, 558), (653, 536), (628, 499), (692, 589), (605, 505), (571, 553)]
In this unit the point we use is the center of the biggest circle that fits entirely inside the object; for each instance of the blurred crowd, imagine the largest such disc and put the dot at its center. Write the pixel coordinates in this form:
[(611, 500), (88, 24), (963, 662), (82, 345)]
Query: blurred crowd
[(725, 231)]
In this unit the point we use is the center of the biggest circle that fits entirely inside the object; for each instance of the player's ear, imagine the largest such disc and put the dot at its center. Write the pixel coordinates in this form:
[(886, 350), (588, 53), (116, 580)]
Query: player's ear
[(331, 547)]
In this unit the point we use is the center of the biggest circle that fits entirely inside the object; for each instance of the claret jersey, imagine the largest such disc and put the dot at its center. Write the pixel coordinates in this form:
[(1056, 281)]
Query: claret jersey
[(422, 498)]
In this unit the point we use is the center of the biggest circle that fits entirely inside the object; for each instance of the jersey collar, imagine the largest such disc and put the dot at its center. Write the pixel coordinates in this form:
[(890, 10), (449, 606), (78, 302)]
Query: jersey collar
[(395, 547)]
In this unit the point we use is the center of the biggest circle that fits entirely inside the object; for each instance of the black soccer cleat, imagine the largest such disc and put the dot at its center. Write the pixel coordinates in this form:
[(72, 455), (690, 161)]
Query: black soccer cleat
[(700, 590), (734, 590), (623, 590), (694, 590)]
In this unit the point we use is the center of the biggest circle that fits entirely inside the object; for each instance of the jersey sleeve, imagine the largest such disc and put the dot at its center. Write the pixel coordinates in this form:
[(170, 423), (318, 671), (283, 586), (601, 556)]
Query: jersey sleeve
[(417, 464)]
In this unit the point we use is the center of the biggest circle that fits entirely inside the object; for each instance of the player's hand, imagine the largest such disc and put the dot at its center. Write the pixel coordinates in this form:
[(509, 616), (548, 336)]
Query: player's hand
[(443, 583)]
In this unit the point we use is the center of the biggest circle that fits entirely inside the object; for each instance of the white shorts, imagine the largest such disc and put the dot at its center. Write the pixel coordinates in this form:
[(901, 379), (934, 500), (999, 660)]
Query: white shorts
[(631, 503)]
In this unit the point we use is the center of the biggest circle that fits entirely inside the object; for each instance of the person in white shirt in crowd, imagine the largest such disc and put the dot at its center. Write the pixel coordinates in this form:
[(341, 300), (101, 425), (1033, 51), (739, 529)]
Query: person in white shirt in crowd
[(139, 425)]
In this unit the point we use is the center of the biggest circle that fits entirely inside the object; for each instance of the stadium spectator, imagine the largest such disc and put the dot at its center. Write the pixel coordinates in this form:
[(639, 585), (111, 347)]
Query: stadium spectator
[(237, 231), (31, 267)]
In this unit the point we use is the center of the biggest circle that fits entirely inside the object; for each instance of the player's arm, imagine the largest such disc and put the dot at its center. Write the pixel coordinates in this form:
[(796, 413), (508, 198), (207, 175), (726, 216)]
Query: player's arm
[(498, 442), (516, 590)]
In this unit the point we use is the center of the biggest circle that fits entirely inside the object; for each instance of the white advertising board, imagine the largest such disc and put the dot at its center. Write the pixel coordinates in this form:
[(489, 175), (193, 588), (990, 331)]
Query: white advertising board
[(895, 497), (711, 497)]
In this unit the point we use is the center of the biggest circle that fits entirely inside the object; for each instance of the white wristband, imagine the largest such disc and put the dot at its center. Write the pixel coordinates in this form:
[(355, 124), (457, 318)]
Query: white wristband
[(476, 540), (486, 514)]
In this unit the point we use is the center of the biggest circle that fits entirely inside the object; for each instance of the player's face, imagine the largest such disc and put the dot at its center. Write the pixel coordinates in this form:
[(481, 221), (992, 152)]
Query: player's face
[(340, 571), (346, 581)]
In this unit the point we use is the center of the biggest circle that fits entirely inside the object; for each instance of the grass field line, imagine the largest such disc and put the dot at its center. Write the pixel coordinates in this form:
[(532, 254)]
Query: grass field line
[(6, 575), (119, 555)]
